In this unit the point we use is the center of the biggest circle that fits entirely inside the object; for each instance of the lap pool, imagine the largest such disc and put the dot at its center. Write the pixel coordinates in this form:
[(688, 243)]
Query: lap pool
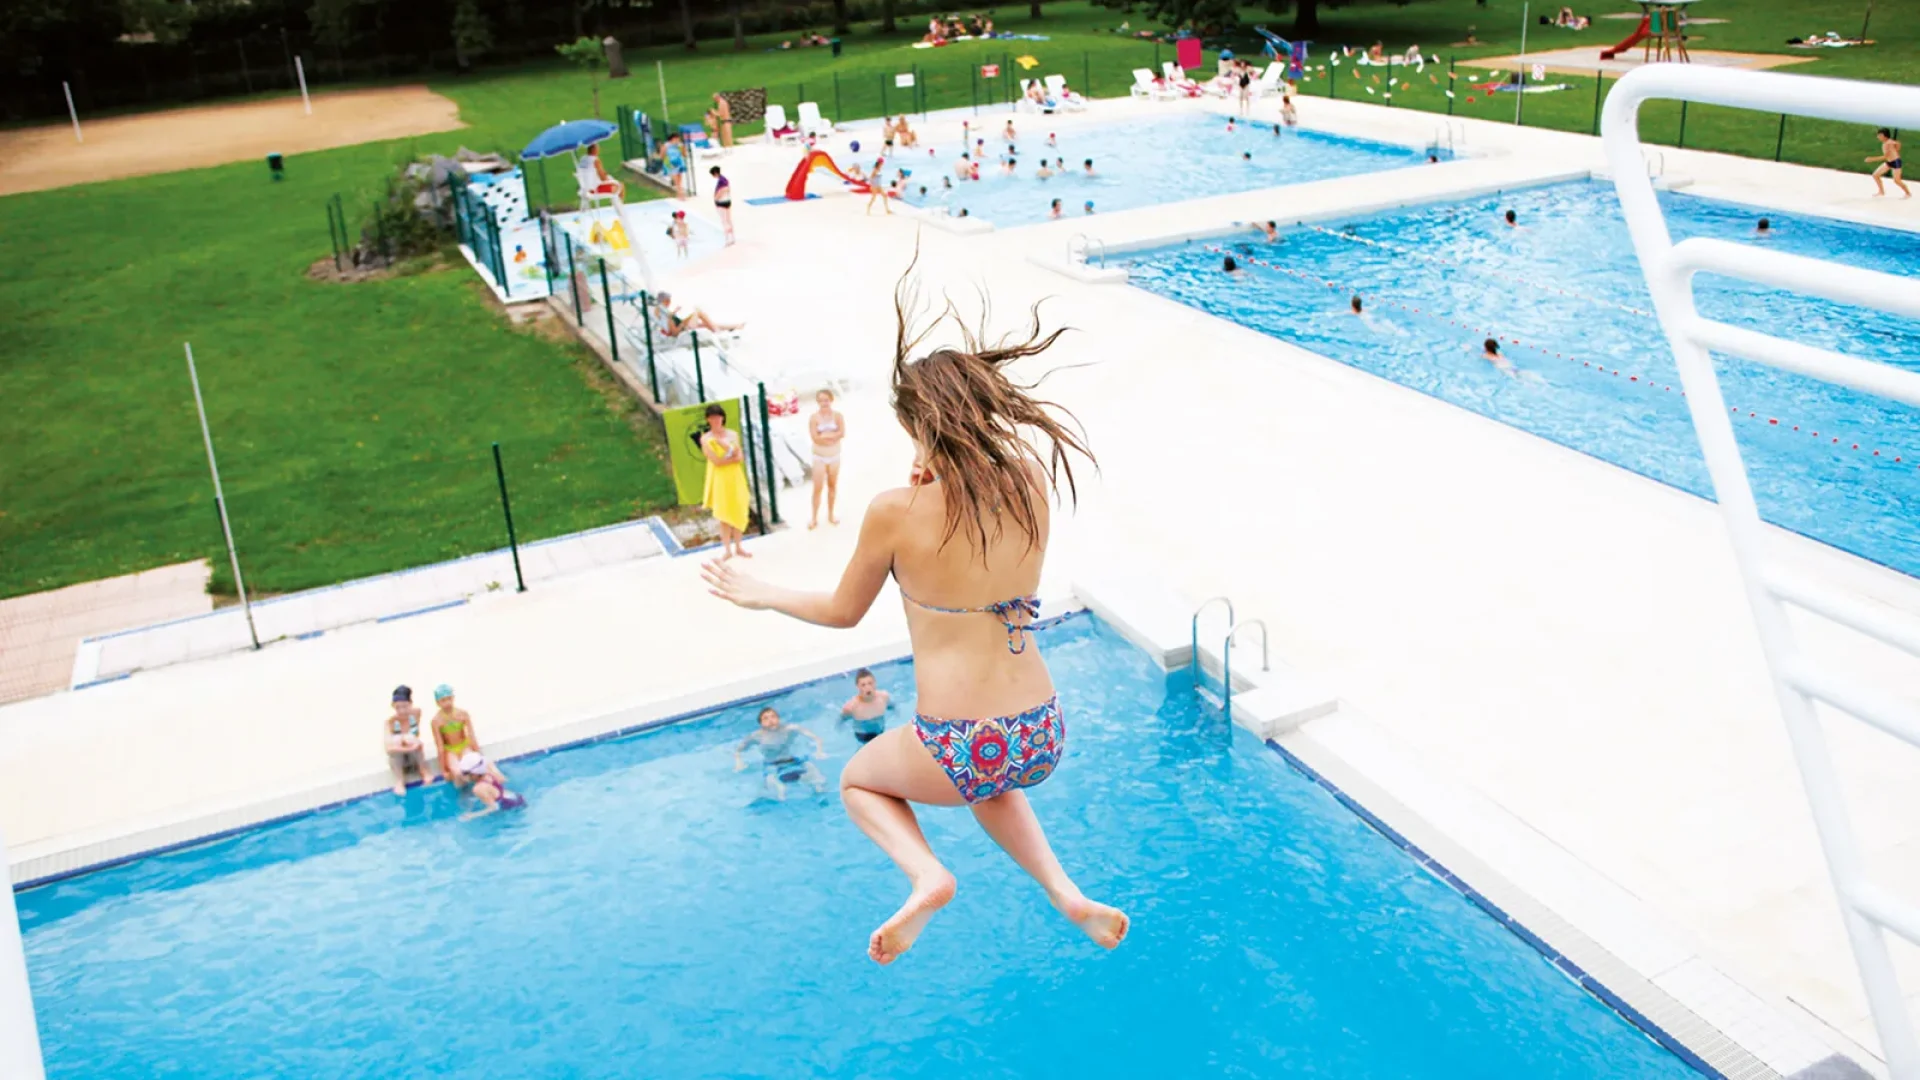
[(1565, 295), (1156, 161), (645, 916)]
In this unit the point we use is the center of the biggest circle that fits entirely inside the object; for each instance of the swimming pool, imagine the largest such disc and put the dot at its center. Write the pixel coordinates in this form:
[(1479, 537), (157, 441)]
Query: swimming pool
[(1831, 463), (645, 916), (1163, 160)]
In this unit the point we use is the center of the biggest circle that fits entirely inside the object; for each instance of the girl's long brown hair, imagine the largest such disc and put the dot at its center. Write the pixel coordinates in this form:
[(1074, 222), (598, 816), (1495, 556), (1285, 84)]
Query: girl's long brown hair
[(968, 417)]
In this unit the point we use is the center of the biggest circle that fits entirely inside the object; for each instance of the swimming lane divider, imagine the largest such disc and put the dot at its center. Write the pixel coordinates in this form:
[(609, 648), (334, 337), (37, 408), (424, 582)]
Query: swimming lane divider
[(1645, 381)]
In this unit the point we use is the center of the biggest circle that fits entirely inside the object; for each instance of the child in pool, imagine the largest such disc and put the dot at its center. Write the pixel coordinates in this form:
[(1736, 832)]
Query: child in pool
[(781, 761), (965, 543), (487, 783), (867, 709)]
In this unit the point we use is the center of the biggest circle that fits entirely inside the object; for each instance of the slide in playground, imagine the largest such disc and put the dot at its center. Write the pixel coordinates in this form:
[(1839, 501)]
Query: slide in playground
[(1639, 34), (818, 159)]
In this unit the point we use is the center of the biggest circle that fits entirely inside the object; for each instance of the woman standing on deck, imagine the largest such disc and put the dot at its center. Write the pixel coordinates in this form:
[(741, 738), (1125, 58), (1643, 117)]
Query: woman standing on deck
[(726, 490), (828, 428), (965, 542)]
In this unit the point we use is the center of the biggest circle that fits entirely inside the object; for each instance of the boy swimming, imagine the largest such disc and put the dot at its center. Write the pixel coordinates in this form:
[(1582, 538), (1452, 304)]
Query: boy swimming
[(867, 709), (782, 762)]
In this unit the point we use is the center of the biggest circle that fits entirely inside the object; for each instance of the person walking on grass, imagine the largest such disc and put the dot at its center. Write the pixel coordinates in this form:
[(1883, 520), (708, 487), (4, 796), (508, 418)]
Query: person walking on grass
[(723, 200), (1889, 159), (965, 541), (828, 428), (726, 493)]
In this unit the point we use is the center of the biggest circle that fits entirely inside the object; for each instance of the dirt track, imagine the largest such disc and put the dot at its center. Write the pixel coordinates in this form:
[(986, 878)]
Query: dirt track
[(35, 159)]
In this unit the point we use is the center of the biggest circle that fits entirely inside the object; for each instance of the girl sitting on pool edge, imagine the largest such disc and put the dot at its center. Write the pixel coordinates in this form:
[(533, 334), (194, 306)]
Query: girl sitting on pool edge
[(965, 543)]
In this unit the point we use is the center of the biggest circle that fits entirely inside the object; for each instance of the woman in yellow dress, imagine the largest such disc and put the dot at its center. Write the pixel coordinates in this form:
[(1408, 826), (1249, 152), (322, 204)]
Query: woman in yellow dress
[(726, 492)]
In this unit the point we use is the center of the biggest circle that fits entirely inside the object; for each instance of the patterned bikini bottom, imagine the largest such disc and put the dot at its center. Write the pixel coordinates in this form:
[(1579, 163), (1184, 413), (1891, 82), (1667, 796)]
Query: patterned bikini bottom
[(985, 758)]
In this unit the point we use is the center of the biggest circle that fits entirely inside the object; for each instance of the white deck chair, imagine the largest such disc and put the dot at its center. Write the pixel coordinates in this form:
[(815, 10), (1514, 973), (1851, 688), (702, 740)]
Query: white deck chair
[(1271, 81), (1144, 86), (777, 124), (595, 193), (1027, 104), (1178, 84), (1062, 97), (811, 122)]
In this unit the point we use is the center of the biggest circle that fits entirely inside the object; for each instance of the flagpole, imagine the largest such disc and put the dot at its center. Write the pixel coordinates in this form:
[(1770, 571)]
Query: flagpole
[(220, 499)]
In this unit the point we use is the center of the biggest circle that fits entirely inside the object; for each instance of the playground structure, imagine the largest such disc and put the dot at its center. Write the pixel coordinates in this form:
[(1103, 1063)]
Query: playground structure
[(1662, 29), (1294, 51), (819, 159)]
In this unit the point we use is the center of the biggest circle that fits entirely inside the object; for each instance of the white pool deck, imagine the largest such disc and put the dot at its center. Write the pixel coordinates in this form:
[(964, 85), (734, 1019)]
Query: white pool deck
[(1545, 657)]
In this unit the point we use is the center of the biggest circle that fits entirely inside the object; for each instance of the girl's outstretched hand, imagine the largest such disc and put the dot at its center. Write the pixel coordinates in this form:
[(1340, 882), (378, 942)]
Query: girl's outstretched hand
[(736, 587)]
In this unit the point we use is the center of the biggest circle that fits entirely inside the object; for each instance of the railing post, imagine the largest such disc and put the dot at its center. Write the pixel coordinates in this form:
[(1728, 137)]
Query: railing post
[(753, 459), (606, 301), (1086, 75), (1333, 71), (766, 440), (573, 283), (1780, 140), (646, 323), (1681, 142), (506, 508), (699, 375), (1599, 83), (973, 87), (838, 114)]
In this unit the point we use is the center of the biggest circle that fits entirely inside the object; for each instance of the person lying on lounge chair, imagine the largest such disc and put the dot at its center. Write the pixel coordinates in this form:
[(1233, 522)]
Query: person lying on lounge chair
[(672, 324)]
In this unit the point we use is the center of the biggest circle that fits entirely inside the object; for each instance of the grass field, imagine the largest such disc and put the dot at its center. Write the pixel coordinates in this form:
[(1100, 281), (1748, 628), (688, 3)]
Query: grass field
[(354, 421)]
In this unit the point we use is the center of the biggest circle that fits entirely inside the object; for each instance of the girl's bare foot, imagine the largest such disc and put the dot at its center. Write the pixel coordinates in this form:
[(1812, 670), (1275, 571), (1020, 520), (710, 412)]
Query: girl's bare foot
[(814, 524), (897, 934), (399, 787), (1105, 925), (743, 553), (831, 520)]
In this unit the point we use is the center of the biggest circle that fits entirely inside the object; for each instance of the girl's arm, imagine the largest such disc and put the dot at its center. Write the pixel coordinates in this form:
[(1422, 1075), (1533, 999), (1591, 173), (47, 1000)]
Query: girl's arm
[(848, 603)]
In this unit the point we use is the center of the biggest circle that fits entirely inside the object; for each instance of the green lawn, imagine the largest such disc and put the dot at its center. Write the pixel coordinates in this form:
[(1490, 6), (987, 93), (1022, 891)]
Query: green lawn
[(354, 421)]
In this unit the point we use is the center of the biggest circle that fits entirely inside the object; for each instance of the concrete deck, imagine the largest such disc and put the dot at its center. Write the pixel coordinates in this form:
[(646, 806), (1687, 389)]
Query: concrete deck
[(1550, 635), (41, 632)]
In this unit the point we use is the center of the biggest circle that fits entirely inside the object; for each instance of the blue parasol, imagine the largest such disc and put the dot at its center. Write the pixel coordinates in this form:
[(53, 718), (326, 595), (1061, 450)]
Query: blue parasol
[(567, 138)]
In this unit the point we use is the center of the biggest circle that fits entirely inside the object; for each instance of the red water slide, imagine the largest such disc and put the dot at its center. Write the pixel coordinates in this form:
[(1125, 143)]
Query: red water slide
[(1639, 34), (818, 159)]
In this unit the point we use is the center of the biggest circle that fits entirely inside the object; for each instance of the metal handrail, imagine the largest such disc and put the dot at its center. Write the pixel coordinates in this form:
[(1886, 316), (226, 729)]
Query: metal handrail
[(1226, 659), (1867, 911), (1086, 249), (1198, 671)]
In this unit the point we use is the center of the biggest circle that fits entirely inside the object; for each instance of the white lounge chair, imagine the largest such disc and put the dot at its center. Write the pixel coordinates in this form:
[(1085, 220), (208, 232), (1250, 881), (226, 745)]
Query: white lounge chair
[(1063, 97), (1272, 80), (778, 130), (1144, 86), (1178, 85), (1026, 102), (595, 192), (812, 123)]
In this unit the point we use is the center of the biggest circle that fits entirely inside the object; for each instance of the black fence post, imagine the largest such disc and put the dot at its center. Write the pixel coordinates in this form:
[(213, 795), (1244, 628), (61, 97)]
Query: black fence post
[(606, 300), (1780, 140), (646, 323), (973, 87), (1681, 142), (1599, 84), (506, 508), (838, 113), (699, 375), (333, 233), (766, 440), (573, 283), (1086, 75), (753, 460)]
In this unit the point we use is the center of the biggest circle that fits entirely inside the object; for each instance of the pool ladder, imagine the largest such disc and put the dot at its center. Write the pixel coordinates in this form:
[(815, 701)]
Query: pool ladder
[(1868, 909), (1080, 249), (1226, 650)]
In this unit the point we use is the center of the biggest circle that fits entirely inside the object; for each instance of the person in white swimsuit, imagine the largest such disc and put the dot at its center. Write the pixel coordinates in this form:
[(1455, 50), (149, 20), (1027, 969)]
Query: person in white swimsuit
[(827, 428)]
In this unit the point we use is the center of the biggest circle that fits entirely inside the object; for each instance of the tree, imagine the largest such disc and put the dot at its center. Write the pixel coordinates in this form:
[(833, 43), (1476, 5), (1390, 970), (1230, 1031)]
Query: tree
[(886, 16), (586, 52), (686, 25), (1211, 15), (739, 32), (1033, 8), (1306, 18), (472, 36), (839, 16)]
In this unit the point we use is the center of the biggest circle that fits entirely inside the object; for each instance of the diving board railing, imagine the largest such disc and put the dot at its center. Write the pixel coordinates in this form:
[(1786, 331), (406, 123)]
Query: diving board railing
[(1868, 908)]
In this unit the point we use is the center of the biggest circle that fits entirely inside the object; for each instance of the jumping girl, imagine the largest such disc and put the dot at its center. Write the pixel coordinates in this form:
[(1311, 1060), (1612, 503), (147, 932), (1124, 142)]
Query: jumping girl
[(965, 542)]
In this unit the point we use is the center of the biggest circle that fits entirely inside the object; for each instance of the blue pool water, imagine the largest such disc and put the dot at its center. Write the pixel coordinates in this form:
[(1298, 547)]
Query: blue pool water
[(1468, 273), (1145, 164), (644, 916)]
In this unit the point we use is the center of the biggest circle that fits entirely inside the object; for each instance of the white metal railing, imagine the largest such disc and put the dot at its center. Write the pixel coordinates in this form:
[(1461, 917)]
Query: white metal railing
[(1869, 910), (19, 1037)]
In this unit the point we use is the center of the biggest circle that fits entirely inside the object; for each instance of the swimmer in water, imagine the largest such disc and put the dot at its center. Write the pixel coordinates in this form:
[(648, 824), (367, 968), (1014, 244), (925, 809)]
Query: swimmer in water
[(1052, 140), (1512, 220), (867, 709), (1269, 230), (1044, 171), (781, 762), (1354, 305), (963, 167), (1246, 155), (1088, 166), (1890, 162), (1230, 266), (1008, 133), (1764, 229), (1089, 206), (487, 783), (1053, 211), (1008, 166), (1490, 352), (1229, 125)]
